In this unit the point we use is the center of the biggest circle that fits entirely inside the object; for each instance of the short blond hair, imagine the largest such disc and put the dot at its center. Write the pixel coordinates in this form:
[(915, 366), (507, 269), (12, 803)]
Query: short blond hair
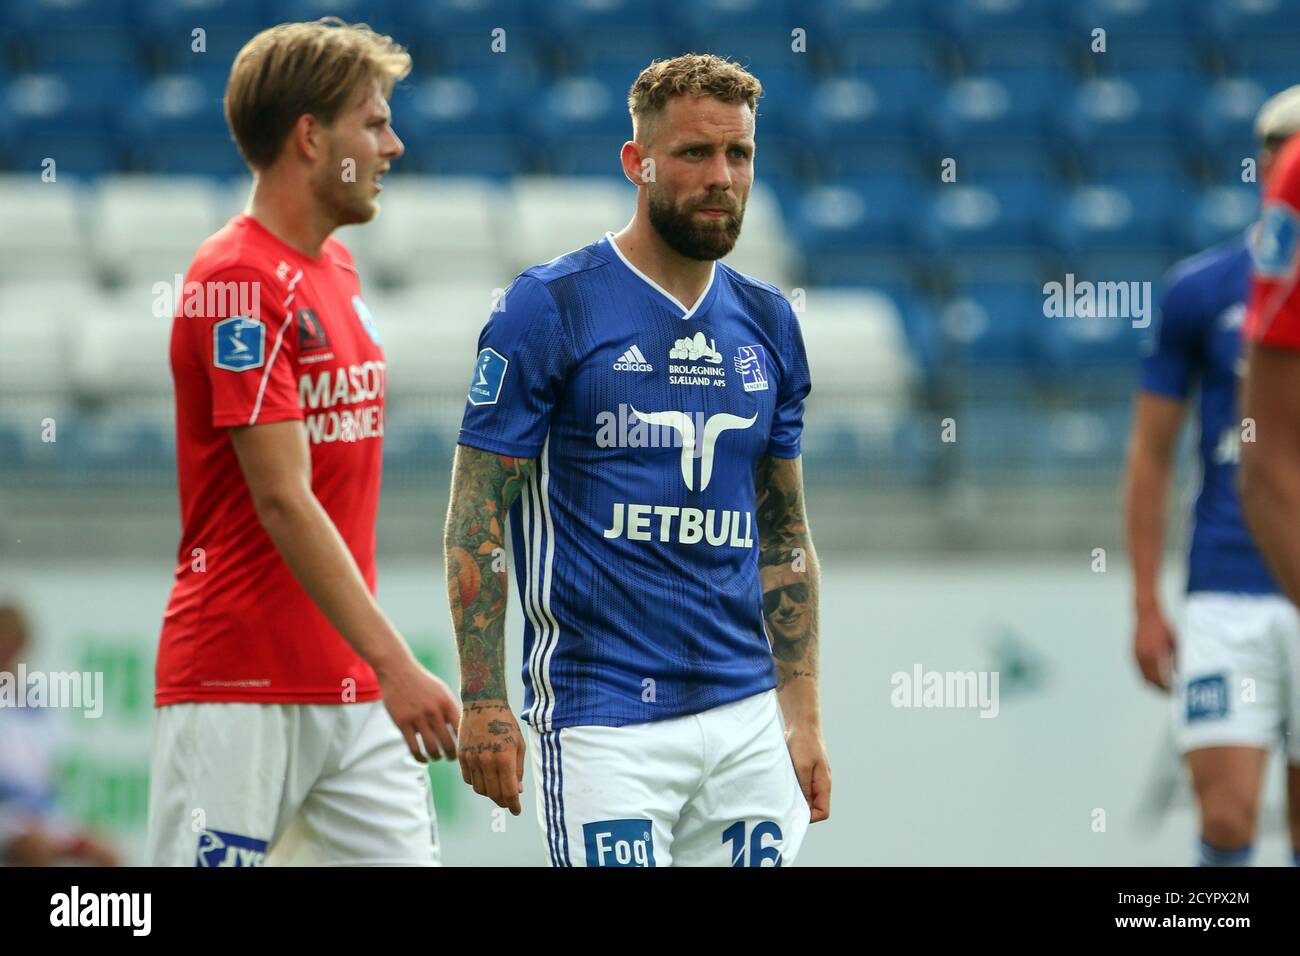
[(295, 68), (691, 74), (1278, 119)]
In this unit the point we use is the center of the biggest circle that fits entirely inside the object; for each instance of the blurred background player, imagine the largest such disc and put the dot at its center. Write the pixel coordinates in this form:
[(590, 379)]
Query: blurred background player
[(271, 743), (1233, 692), (661, 731), (1270, 480), (32, 830)]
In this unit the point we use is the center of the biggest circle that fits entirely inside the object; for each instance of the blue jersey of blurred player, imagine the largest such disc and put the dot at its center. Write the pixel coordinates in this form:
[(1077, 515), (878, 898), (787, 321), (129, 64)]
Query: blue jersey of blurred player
[(1233, 670), (636, 409)]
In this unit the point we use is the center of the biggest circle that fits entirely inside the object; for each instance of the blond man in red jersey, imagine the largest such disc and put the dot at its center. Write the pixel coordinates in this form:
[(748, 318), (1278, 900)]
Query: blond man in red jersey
[(276, 665)]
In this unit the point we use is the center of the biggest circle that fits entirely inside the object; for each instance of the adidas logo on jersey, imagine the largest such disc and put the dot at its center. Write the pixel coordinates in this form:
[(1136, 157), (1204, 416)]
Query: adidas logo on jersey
[(633, 361)]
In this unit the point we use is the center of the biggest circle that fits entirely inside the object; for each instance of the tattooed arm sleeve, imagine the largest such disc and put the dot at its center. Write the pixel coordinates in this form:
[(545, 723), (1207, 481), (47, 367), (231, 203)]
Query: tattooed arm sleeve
[(789, 572), (483, 487)]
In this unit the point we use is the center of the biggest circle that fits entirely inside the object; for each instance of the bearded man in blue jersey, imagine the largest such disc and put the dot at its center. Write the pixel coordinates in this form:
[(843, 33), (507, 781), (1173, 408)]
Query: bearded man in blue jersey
[(1233, 670), (636, 410)]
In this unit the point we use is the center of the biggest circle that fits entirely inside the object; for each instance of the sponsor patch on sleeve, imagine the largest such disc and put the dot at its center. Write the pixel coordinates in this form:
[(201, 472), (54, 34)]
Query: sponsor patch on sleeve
[(489, 374), (238, 344), (1273, 242)]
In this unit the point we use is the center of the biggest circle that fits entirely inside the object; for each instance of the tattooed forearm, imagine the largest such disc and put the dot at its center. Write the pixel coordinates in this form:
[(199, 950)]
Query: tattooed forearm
[(788, 569), (483, 486)]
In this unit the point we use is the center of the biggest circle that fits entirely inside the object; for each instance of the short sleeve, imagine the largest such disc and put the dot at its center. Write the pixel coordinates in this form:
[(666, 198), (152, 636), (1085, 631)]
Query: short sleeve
[(248, 347), (1172, 355), (795, 384), (518, 376), (1273, 313)]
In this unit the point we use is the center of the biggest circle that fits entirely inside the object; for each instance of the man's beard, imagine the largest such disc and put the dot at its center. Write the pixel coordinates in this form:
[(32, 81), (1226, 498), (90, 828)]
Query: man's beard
[(346, 203), (688, 237)]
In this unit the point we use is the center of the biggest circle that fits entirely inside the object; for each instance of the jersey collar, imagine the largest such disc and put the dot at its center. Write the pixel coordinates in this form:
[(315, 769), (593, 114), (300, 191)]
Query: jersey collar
[(686, 313)]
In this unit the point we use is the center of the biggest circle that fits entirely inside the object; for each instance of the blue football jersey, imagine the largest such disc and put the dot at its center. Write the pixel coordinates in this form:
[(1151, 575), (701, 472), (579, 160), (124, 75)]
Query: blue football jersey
[(1197, 343), (635, 544)]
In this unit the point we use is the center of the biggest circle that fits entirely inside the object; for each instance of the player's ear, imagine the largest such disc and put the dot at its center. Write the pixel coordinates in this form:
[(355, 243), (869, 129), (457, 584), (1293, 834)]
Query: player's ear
[(633, 158), (306, 136)]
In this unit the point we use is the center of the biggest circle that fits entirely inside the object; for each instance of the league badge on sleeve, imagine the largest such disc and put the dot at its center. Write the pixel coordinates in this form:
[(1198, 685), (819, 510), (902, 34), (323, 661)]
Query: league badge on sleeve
[(238, 344), (489, 373), (1273, 242), (367, 320), (751, 365)]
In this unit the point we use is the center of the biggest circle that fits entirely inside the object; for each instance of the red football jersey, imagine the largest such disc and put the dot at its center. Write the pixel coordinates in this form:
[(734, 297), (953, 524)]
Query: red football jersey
[(1273, 317), (263, 333)]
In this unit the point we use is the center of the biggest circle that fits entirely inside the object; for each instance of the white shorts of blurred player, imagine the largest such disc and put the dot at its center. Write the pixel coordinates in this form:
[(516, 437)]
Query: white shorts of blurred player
[(1238, 680), (286, 785), (715, 788)]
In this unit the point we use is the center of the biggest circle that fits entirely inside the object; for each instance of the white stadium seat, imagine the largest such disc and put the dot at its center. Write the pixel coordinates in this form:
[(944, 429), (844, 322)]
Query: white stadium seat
[(855, 344), (432, 230), (43, 234), (37, 320), (149, 227), (554, 216), (121, 348)]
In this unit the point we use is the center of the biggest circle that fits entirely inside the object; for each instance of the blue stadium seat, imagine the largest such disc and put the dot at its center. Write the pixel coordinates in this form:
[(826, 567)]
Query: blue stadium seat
[(1219, 213), (1101, 343), (73, 33), (1222, 126), (993, 33), (1251, 34), (587, 35), (996, 213), (178, 126), (248, 16), (460, 124), (920, 325), (167, 28), (65, 116), (857, 34), (446, 35), (866, 122), (377, 13), (856, 231), (997, 122), (755, 33), (1122, 213), (1139, 33), (1131, 123), (991, 329), (577, 124)]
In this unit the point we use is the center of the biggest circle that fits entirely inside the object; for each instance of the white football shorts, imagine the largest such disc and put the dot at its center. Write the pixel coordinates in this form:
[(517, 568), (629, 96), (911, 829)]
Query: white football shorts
[(1238, 673), (715, 788), (286, 785)]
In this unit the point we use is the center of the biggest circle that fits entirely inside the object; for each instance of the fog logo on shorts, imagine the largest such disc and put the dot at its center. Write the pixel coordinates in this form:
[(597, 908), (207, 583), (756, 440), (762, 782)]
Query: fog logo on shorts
[(619, 843), (1207, 698), (229, 849)]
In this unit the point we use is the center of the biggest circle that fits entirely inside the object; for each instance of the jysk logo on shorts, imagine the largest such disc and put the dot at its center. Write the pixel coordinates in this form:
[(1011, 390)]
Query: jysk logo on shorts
[(1273, 242), (489, 373), (229, 849), (238, 344), (619, 843), (1207, 698), (751, 364)]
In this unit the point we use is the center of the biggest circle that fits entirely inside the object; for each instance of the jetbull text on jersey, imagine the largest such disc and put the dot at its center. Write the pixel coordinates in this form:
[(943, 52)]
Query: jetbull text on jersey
[(696, 434)]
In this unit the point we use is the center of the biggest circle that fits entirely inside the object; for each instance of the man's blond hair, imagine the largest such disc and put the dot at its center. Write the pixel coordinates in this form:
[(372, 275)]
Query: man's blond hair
[(692, 74), (296, 68)]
